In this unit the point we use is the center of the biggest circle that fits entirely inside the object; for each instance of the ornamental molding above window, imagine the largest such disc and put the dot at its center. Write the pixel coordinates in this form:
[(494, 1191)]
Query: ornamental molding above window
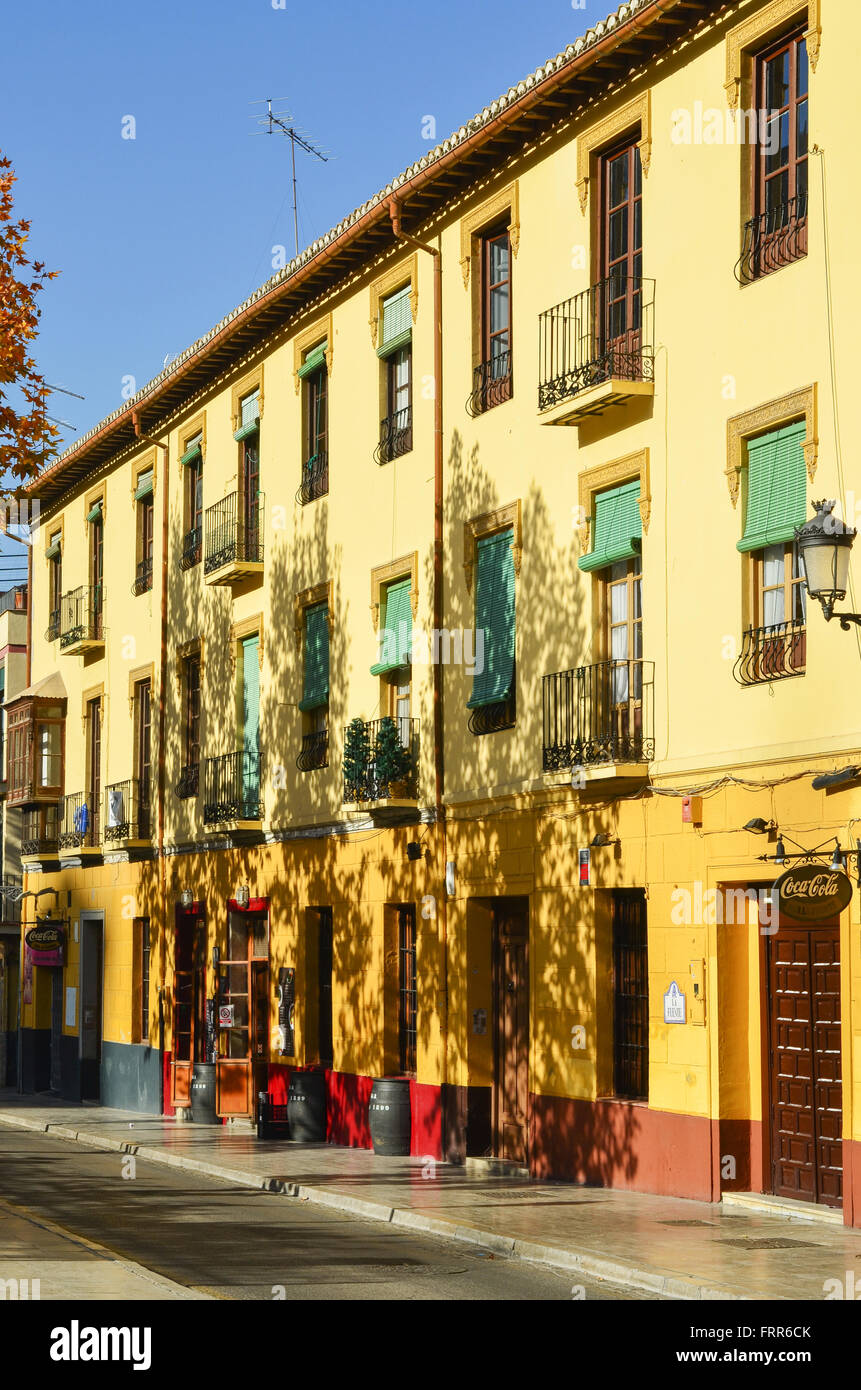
[(309, 598), (183, 652), (197, 425), (489, 211), (407, 567), (798, 405), (252, 381), (249, 627), (147, 463), (320, 331), (484, 525), (96, 494), (406, 272), (141, 673), (607, 475), (756, 31), (591, 142), (54, 534), (95, 692)]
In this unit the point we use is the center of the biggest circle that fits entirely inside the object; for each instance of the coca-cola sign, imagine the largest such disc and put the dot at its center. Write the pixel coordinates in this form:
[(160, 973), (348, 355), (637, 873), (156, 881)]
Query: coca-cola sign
[(813, 893)]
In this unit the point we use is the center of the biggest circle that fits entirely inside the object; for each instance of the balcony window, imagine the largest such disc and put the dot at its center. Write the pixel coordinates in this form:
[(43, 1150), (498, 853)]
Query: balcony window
[(381, 760), (54, 556), (234, 538), (599, 714), (313, 375), (145, 515), (493, 699), (314, 703), (395, 350), (192, 463), (493, 381), (36, 734)]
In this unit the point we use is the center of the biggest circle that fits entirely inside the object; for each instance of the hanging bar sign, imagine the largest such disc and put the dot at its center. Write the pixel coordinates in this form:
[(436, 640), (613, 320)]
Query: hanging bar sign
[(812, 893), (45, 943)]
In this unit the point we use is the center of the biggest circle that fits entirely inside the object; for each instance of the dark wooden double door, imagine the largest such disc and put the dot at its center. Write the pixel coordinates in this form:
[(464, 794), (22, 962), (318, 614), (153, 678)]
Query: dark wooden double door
[(806, 1099), (510, 1101)]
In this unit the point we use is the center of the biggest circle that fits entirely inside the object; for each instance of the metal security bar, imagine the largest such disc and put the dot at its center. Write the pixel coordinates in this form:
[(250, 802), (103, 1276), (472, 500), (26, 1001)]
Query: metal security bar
[(79, 822), (774, 239), (233, 788), (772, 653), (127, 811), (599, 714), (407, 992), (378, 780), (52, 631), (189, 782), (604, 333), (315, 751), (492, 383), (234, 532), (143, 578), (192, 548), (396, 435), (315, 479), (81, 615), (40, 830)]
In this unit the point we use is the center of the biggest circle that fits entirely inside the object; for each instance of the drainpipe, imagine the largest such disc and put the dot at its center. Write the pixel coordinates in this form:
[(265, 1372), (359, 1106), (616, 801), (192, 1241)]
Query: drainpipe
[(439, 751), (162, 685)]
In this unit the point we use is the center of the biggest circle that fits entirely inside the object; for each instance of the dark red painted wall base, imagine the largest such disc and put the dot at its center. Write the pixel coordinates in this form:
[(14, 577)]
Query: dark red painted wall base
[(851, 1182), (347, 1099)]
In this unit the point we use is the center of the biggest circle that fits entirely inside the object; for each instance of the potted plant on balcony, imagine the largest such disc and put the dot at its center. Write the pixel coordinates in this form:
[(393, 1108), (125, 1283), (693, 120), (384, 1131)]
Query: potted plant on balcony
[(392, 761), (357, 756)]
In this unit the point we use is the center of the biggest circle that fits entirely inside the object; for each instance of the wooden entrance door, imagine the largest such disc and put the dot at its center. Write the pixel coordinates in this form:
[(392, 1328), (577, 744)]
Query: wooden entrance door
[(511, 1029), (804, 1063), (91, 1007), (56, 1029), (243, 1046), (188, 1005)]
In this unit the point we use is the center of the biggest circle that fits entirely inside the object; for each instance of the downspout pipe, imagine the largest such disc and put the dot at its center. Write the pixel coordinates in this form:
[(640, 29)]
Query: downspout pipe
[(438, 610), (162, 719)]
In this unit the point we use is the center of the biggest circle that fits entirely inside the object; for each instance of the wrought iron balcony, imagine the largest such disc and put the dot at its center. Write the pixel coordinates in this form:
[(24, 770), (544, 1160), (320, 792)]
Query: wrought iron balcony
[(772, 653), (40, 829), (396, 435), (52, 631), (492, 719), (192, 548), (492, 383), (234, 539), (143, 577), (233, 788), (773, 239), (79, 822), (127, 811), (599, 714), (600, 342), (315, 751), (81, 625), (189, 782), (315, 478), (388, 768)]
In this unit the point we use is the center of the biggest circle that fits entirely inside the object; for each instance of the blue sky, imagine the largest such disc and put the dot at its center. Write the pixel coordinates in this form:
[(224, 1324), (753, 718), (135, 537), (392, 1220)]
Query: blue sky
[(159, 236)]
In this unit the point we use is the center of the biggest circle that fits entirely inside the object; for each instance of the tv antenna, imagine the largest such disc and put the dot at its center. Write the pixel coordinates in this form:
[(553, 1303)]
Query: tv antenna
[(283, 121)]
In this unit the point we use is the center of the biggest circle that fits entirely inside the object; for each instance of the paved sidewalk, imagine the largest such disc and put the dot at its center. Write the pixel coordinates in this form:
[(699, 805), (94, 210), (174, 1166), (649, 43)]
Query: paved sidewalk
[(667, 1245)]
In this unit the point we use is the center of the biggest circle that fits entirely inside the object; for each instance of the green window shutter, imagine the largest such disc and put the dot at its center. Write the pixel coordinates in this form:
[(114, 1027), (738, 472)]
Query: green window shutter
[(494, 613), (95, 512), (144, 487), (316, 692), (776, 488), (244, 431), (396, 629), (194, 449), (395, 322), (617, 527), (53, 551), (314, 361), (250, 694), (249, 419)]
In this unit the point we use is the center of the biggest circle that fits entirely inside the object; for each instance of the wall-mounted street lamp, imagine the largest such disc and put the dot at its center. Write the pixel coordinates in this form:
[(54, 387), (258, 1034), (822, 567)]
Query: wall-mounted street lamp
[(603, 841), (243, 895), (824, 544), (186, 897)]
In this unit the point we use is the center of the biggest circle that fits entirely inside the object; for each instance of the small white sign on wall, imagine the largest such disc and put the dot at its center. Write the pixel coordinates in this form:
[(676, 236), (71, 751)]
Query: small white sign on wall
[(674, 1005), (71, 1006)]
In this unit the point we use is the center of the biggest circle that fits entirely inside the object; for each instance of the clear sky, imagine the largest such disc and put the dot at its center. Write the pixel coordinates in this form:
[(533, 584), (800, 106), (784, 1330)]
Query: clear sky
[(159, 236)]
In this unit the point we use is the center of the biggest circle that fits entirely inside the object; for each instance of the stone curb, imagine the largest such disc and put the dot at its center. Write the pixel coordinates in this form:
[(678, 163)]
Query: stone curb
[(574, 1261)]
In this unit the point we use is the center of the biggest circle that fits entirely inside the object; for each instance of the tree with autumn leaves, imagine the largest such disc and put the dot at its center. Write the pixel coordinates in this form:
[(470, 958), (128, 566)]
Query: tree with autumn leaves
[(27, 437)]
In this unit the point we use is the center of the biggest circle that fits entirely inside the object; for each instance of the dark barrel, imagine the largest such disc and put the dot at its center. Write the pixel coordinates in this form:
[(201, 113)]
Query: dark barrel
[(203, 1094), (389, 1116), (306, 1107)]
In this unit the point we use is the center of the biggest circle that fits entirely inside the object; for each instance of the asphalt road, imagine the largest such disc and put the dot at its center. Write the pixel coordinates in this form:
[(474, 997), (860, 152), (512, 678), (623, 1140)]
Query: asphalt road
[(220, 1240)]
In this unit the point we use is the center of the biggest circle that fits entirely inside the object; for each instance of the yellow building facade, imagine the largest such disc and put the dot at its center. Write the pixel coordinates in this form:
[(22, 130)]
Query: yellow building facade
[(442, 658)]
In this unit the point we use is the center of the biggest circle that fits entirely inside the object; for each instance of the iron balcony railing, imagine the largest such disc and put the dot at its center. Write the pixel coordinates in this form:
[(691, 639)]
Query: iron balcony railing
[(40, 829), (127, 811), (234, 532), (233, 788), (192, 547), (773, 239), (390, 767), (81, 615), (189, 781), (607, 332), (52, 631), (396, 435), (599, 714), (492, 719), (79, 822), (315, 478), (492, 383), (143, 577), (772, 653), (315, 751)]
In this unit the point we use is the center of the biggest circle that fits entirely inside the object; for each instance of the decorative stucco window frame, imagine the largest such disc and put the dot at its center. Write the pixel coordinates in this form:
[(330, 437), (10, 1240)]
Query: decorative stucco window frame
[(407, 567), (95, 494), (197, 425), (404, 273), (183, 652), (798, 405), (485, 525), (141, 673), (94, 692), (321, 330), (55, 530), (755, 32), (491, 210), (607, 475), (248, 627), (592, 141), (309, 598), (147, 463), (252, 381)]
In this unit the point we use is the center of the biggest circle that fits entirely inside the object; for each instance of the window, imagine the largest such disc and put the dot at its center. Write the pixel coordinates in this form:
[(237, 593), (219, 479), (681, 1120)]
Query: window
[(777, 233), (192, 462), (189, 779), (35, 752), (395, 350), (395, 655), (143, 498), (95, 518), (630, 996), (619, 307), (493, 700), (407, 996), (315, 697), (143, 754), (248, 436), (315, 465), (140, 979), (325, 963), (492, 378), (54, 555), (94, 770)]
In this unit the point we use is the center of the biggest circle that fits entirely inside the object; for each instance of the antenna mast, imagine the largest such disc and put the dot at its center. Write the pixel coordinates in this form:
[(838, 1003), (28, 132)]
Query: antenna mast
[(282, 121)]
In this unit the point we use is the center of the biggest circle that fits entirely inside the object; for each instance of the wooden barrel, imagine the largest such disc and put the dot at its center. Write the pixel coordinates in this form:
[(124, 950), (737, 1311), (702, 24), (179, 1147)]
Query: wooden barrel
[(306, 1107), (203, 1094), (389, 1115)]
